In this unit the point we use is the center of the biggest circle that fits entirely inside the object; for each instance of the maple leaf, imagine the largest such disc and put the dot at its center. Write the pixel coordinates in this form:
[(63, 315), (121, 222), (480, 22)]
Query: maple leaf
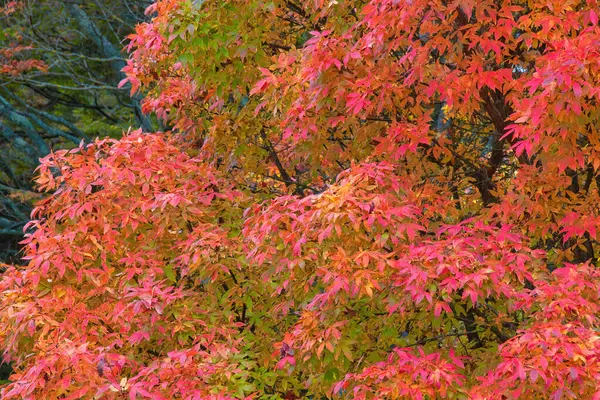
[(384, 199)]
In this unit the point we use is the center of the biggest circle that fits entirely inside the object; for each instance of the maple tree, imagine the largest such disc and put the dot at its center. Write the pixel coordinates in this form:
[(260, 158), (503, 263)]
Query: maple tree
[(60, 64), (374, 199)]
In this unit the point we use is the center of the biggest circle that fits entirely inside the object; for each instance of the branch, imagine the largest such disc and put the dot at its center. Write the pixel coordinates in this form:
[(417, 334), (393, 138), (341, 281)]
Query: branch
[(10, 113), (447, 335), (109, 51), (51, 117), (48, 128), (11, 232), (285, 177)]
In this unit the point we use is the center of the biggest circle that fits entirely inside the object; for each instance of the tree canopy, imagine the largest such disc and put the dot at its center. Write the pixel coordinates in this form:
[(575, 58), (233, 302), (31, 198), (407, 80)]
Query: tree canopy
[(354, 199), (60, 63)]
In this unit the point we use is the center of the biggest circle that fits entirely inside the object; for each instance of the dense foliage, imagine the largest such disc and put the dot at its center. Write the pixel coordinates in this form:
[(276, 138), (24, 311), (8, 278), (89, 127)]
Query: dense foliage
[(60, 64), (370, 199)]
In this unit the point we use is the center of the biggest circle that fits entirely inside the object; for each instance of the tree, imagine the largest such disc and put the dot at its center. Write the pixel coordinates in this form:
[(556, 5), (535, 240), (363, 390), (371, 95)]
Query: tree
[(61, 63), (377, 199)]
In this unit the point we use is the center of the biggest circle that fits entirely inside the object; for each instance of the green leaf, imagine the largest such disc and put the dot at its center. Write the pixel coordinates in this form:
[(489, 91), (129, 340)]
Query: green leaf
[(170, 273)]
